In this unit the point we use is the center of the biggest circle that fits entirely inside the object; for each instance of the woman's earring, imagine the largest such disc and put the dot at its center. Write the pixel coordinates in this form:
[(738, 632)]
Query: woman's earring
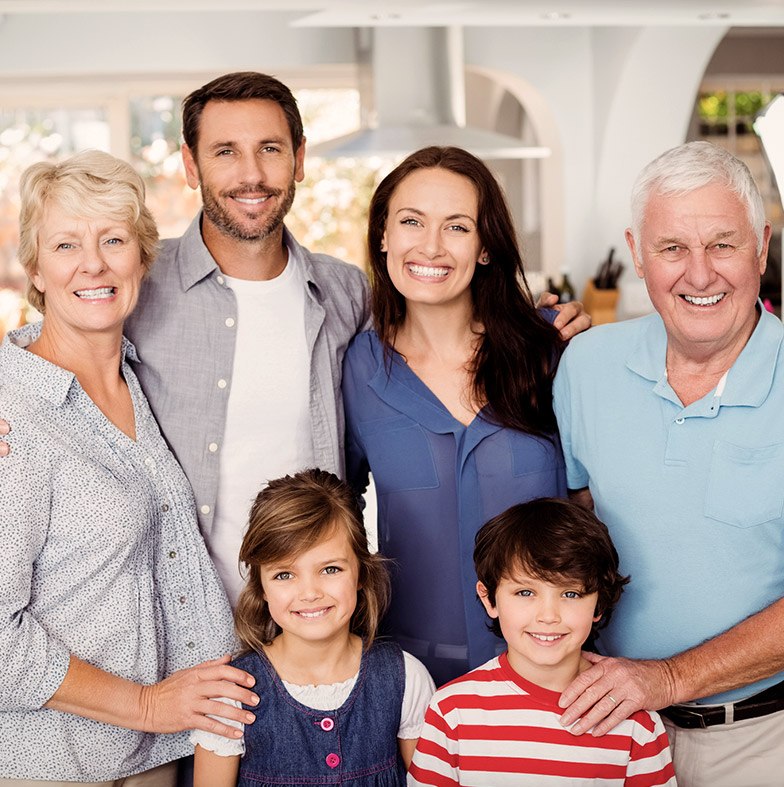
[(484, 260)]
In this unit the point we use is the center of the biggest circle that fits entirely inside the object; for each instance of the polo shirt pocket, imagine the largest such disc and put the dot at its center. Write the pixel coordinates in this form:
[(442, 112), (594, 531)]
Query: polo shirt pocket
[(399, 454), (744, 486)]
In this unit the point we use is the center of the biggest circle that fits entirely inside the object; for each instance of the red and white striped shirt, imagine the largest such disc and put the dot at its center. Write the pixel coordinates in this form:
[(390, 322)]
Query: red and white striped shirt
[(492, 728)]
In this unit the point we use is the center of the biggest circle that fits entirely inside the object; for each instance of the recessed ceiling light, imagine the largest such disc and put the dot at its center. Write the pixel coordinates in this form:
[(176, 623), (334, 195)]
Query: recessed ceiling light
[(554, 16), (385, 17), (714, 15)]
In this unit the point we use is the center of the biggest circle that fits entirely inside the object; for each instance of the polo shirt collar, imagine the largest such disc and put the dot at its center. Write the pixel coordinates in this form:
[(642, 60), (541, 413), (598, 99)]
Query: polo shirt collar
[(49, 381), (750, 378)]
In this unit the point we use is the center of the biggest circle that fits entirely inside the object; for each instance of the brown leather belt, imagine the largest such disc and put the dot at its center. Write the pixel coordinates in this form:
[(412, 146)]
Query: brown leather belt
[(702, 716)]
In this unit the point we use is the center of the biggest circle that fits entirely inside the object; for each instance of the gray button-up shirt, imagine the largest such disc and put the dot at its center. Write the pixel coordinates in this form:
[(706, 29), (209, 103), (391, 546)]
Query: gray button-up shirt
[(100, 557), (184, 329)]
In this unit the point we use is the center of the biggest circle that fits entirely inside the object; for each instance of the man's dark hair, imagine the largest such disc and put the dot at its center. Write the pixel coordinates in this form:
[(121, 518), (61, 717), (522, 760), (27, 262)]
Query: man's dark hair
[(550, 539), (240, 86)]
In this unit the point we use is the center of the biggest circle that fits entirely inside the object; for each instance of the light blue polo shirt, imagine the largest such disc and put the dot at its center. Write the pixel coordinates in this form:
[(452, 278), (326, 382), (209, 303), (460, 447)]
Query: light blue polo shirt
[(693, 496)]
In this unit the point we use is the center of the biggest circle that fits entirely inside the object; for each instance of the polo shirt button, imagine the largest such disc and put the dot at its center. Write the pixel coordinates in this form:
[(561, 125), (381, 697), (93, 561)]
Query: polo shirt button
[(221, 383), (205, 509), (212, 447), (221, 280), (332, 760), (229, 322), (679, 421), (327, 724)]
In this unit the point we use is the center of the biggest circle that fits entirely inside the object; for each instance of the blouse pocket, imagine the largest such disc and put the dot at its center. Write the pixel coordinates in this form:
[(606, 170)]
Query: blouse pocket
[(744, 486), (399, 454)]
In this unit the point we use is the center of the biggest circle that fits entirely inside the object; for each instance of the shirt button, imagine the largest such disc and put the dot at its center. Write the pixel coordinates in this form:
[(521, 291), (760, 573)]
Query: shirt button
[(222, 383), (212, 447), (172, 554), (229, 322), (183, 599), (165, 507), (191, 645), (149, 461), (679, 421), (327, 724), (205, 509), (220, 279), (332, 760)]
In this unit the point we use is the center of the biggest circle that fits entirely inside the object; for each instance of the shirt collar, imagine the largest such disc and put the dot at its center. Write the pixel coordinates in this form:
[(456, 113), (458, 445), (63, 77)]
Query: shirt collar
[(193, 258), (750, 377), (49, 381), (196, 263)]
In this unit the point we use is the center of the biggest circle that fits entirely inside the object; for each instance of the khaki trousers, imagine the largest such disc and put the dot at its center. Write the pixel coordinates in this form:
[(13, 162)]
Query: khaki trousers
[(747, 753), (162, 776)]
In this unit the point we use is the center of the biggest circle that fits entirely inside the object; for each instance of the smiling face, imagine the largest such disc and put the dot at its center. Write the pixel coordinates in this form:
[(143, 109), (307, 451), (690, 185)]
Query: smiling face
[(431, 238), (544, 624), (89, 271), (313, 596), (698, 255), (246, 167)]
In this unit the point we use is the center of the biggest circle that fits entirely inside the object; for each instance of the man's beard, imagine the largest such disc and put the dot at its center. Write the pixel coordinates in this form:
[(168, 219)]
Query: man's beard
[(230, 226)]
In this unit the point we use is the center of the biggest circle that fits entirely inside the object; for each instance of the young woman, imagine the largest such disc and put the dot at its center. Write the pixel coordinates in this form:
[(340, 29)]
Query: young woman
[(448, 400)]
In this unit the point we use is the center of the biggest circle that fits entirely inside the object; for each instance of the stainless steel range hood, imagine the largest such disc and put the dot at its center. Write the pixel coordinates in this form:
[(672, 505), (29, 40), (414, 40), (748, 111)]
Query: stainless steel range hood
[(412, 94)]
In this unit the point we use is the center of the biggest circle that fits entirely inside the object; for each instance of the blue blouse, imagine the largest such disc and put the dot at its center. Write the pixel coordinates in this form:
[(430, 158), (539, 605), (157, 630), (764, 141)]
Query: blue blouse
[(438, 481)]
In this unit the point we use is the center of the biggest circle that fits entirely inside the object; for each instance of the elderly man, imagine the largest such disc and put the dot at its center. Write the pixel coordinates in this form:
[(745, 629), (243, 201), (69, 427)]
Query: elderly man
[(673, 425)]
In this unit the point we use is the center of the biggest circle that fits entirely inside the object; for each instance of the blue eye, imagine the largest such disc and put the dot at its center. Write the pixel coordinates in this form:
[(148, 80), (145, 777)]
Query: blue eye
[(525, 593), (572, 594), (283, 575)]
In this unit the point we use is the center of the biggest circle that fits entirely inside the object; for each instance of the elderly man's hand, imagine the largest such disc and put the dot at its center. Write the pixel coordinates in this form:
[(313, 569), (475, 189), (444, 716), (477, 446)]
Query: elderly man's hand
[(571, 318), (612, 689), (5, 449)]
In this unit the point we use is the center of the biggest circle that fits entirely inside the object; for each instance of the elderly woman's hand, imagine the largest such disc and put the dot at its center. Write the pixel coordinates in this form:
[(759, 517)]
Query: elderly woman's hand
[(5, 428), (179, 702), (183, 700)]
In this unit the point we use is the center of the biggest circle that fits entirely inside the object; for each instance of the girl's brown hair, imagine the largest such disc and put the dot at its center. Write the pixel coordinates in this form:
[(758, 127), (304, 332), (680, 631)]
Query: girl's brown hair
[(515, 362), (289, 516)]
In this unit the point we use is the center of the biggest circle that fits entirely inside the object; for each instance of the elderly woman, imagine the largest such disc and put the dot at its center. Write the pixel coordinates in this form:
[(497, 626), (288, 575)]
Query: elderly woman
[(106, 587)]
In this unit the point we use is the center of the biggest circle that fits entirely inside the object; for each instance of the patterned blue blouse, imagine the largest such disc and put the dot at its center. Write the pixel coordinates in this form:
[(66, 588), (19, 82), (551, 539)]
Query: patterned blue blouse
[(100, 557), (438, 482)]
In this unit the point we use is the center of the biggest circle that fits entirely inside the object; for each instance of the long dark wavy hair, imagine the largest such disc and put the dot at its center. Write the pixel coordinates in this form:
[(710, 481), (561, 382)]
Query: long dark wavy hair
[(516, 358)]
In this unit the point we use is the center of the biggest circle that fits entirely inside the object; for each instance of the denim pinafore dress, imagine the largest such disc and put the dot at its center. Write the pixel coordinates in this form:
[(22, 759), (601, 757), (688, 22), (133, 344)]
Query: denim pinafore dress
[(354, 745)]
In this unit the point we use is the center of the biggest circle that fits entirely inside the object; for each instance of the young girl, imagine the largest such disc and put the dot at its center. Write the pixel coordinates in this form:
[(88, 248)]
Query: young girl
[(336, 707)]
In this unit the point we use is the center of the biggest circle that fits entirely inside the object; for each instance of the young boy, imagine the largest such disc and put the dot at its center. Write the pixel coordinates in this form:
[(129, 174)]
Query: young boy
[(548, 577)]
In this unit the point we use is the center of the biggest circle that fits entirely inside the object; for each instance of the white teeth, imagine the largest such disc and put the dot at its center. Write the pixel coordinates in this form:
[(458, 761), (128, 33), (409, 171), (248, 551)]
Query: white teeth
[(707, 301), (426, 270), (248, 201), (99, 292), (547, 637), (316, 614)]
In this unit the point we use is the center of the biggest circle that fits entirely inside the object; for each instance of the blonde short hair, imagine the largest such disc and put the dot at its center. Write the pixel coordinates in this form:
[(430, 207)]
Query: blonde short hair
[(89, 185)]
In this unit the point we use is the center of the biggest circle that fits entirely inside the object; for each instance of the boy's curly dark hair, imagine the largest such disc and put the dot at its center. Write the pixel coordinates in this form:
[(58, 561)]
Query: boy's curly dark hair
[(550, 539)]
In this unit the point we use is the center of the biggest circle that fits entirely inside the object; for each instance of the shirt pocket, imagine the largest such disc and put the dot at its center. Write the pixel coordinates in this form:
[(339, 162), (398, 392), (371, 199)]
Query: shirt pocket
[(744, 485), (532, 454), (399, 454)]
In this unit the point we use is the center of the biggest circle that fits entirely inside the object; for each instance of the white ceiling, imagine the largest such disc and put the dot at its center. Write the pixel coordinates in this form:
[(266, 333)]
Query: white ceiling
[(358, 13)]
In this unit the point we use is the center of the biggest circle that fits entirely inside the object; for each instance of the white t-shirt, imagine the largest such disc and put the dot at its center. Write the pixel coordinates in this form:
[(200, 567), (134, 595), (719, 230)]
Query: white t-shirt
[(418, 691), (268, 430)]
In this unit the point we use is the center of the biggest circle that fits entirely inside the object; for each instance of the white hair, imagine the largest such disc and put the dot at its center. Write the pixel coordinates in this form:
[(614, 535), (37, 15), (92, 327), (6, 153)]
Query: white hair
[(690, 167)]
